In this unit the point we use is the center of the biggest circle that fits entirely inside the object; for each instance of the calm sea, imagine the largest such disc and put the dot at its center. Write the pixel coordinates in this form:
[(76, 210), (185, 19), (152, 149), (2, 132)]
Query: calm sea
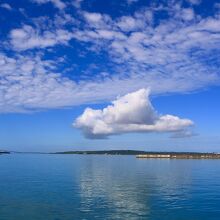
[(69, 187)]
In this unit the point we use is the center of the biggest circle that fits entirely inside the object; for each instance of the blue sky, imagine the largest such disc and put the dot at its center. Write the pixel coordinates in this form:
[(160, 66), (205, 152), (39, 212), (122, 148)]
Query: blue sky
[(85, 75)]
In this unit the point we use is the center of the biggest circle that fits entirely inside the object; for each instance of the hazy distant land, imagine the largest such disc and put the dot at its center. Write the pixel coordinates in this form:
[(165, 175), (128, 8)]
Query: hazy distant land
[(137, 153), (149, 154), (4, 152)]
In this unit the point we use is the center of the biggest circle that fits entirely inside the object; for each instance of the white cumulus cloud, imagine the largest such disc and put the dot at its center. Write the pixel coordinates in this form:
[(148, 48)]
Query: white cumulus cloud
[(130, 113)]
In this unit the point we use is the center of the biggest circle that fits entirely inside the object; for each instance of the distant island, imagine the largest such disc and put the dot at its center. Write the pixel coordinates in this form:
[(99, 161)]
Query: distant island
[(105, 152), (4, 152), (138, 153), (149, 154)]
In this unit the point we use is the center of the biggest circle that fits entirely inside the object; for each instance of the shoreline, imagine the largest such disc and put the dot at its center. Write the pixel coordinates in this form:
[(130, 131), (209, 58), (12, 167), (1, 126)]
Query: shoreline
[(4, 152), (149, 154), (136, 153), (180, 156)]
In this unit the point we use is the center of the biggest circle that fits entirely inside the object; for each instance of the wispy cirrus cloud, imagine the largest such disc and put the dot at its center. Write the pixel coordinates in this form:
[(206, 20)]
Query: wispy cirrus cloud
[(57, 3), (178, 53), (29, 38), (194, 2), (6, 6)]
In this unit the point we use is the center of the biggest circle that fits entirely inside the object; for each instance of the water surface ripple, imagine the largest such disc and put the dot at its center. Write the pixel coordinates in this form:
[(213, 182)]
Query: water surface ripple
[(67, 187)]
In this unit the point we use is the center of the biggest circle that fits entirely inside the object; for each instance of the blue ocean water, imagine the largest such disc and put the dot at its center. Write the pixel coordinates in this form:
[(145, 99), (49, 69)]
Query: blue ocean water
[(67, 187)]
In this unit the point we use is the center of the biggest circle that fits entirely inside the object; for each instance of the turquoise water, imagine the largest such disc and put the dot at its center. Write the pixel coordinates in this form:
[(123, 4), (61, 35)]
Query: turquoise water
[(67, 187)]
